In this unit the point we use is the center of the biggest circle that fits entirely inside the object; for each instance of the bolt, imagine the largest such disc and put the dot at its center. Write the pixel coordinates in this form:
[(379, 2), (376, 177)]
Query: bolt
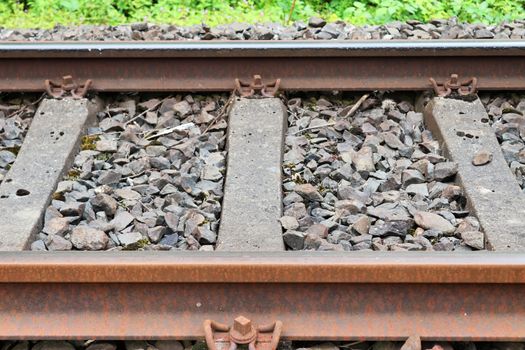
[(242, 325)]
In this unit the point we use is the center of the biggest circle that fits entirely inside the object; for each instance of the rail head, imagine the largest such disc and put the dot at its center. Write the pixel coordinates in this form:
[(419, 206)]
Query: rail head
[(260, 267), (262, 48)]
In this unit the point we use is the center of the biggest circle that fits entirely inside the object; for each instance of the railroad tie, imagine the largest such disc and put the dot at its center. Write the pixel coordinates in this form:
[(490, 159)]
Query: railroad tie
[(47, 152), (491, 189), (252, 203)]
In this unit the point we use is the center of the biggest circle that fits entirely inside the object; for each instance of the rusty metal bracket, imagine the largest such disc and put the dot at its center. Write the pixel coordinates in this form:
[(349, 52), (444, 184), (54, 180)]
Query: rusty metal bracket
[(454, 86), (257, 88), (221, 337), (59, 90)]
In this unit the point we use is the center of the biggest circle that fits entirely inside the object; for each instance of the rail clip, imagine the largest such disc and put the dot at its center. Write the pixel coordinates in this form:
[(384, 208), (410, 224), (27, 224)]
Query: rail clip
[(257, 88), (454, 87), (57, 90), (223, 337)]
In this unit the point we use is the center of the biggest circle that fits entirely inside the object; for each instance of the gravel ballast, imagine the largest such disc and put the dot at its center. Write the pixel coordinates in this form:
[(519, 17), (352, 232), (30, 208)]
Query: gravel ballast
[(16, 114), (507, 116), (314, 29), (148, 176), (372, 180)]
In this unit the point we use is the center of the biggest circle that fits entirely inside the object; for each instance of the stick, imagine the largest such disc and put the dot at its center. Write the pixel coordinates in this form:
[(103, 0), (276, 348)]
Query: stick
[(314, 127), (291, 12), (24, 108), (356, 106), (146, 111), (170, 130), (224, 111)]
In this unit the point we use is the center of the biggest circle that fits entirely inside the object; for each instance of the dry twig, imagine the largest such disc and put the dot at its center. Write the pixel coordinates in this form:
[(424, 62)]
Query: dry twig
[(356, 106), (167, 131), (314, 127), (146, 111), (292, 8), (224, 112)]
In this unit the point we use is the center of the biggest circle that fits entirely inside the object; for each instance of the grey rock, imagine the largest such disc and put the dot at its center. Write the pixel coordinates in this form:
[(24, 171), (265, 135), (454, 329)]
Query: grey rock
[(318, 230), (110, 125), (316, 22), (172, 221), (137, 345), (297, 210), (474, 239), (106, 146), (483, 34), (309, 192), (349, 207), (64, 186), (38, 245), (109, 177), (420, 189), (392, 140), (56, 242), (182, 108), (367, 239), (53, 345), (388, 212), (362, 225), (391, 228), (412, 176), (289, 223), (363, 160), (168, 345), (56, 226), (72, 209), (482, 158), (445, 170), (86, 238), (169, 240), (312, 241), (204, 235), (130, 238), (156, 233), (24, 345), (127, 193), (6, 158), (211, 172), (444, 244), (294, 239), (122, 220), (105, 203), (431, 221)]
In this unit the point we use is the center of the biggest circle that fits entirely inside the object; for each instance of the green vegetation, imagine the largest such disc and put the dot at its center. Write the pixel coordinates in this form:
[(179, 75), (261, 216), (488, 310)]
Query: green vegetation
[(88, 142), (48, 13)]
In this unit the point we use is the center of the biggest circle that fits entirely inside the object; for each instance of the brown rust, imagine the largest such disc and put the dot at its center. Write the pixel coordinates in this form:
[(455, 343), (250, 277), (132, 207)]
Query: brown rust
[(305, 66), (256, 88), (466, 87), (271, 267), (317, 296), (219, 336), (67, 86), (165, 295), (299, 73), (309, 311)]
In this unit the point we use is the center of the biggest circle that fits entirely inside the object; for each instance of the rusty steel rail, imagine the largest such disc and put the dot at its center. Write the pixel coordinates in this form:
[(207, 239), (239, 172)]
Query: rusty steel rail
[(301, 65), (317, 296)]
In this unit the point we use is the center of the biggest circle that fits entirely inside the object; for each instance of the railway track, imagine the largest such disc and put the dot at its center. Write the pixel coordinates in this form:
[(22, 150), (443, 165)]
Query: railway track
[(292, 295)]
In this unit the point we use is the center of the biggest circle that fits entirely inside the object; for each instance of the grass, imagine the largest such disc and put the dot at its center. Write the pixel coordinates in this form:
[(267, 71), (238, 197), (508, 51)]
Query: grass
[(48, 13)]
